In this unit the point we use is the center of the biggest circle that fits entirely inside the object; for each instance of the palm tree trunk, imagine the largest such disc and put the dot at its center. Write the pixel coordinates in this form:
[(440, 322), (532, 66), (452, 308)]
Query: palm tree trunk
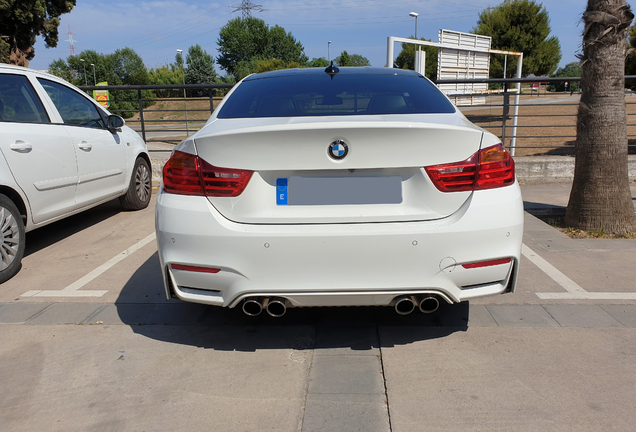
[(600, 197)]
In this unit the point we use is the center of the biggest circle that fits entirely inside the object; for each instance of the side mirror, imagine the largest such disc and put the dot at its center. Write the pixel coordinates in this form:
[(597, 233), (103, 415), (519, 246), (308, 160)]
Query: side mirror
[(115, 123)]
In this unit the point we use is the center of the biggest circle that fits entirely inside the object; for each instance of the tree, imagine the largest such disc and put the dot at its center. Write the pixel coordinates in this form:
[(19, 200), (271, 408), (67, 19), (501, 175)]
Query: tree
[(521, 26), (346, 59), (166, 75), (359, 60), (22, 21), (244, 42), (274, 64), (406, 58), (343, 59), (600, 199), (570, 70), (318, 62), (200, 68), (123, 67)]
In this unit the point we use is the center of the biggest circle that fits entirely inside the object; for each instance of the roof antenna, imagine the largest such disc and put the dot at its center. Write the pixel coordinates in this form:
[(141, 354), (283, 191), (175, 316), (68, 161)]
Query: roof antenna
[(332, 70)]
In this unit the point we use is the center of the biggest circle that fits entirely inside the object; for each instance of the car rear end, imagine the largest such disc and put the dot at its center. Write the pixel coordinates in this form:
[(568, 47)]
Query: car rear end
[(370, 204)]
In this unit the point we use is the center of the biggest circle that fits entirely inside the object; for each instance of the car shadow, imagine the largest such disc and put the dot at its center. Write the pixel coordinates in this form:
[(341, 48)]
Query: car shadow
[(50, 234), (542, 209), (143, 306)]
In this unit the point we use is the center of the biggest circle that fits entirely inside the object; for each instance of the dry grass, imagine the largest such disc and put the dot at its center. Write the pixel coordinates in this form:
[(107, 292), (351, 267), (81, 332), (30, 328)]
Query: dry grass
[(575, 233), (171, 110), (532, 132)]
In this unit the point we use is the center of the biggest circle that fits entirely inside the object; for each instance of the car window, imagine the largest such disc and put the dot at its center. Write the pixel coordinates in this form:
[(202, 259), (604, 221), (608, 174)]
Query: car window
[(346, 94), (74, 108), (19, 102)]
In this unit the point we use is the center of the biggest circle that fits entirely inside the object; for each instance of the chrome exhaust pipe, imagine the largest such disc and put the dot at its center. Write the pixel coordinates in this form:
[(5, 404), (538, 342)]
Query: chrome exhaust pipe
[(404, 305), (429, 304), (252, 306), (276, 307)]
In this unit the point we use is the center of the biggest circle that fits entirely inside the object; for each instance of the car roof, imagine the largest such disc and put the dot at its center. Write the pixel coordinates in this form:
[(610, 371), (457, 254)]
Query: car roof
[(343, 70), (4, 66)]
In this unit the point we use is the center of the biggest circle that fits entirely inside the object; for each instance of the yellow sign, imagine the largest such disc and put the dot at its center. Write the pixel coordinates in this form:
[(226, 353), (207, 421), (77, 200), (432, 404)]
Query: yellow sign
[(102, 96)]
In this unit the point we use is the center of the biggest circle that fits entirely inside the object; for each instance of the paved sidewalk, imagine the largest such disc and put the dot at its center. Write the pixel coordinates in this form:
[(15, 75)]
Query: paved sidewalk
[(551, 199), (558, 355)]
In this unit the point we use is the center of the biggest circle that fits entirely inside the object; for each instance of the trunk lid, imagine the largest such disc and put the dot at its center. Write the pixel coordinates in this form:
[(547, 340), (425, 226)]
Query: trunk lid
[(381, 178)]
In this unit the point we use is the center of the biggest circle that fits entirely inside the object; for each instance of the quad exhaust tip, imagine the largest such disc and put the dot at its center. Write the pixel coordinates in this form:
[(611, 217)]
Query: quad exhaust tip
[(429, 304), (406, 304), (275, 306), (252, 307)]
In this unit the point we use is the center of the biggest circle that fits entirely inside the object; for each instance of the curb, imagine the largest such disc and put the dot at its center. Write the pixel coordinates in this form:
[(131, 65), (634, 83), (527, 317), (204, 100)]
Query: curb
[(555, 169)]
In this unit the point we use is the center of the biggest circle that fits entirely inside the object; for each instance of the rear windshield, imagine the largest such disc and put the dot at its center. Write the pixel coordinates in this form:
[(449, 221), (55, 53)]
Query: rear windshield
[(345, 94)]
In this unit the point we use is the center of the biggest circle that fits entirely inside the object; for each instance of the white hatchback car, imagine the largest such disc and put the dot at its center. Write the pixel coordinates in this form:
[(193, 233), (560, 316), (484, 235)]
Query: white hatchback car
[(61, 153), (357, 187)]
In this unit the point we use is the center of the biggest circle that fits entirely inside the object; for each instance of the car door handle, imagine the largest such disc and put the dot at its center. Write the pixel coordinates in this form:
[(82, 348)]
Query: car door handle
[(21, 147), (85, 146)]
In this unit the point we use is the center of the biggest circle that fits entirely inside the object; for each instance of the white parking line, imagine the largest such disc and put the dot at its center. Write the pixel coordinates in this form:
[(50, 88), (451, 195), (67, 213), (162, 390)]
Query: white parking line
[(73, 289), (574, 291)]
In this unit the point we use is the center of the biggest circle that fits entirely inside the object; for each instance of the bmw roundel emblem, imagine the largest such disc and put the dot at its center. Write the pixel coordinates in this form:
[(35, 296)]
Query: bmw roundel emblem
[(338, 149)]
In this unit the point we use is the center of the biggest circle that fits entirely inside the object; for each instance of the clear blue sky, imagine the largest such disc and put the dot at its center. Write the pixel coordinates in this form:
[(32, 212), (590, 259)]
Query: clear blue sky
[(155, 29)]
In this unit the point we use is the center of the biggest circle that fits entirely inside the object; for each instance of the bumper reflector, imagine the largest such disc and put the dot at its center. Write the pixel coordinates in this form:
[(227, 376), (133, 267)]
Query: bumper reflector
[(486, 263), (194, 268)]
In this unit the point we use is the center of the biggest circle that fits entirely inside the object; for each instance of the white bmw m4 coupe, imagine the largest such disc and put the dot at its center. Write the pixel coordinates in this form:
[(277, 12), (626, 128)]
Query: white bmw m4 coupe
[(349, 187)]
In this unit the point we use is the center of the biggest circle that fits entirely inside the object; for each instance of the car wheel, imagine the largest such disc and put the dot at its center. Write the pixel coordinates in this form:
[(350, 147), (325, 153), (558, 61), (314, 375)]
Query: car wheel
[(140, 188), (13, 239)]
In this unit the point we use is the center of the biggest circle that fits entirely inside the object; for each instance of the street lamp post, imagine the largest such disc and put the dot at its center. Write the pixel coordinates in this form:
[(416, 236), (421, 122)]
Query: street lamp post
[(417, 55), (414, 15), (94, 76), (85, 79), (185, 101), (328, 53)]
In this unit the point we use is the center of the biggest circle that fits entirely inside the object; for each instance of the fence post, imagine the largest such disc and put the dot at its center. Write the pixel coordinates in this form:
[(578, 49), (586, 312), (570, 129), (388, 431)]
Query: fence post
[(505, 111), (211, 90), (141, 114)]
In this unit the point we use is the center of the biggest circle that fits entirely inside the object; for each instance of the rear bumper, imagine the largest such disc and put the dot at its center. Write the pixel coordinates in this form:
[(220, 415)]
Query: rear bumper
[(340, 264)]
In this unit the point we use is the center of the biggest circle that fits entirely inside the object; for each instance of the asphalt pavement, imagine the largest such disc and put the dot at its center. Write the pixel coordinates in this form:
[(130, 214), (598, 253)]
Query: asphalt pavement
[(89, 342)]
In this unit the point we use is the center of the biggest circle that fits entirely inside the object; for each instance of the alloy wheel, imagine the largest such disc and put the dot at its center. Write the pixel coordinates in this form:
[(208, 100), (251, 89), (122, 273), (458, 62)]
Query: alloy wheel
[(142, 183), (10, 238)]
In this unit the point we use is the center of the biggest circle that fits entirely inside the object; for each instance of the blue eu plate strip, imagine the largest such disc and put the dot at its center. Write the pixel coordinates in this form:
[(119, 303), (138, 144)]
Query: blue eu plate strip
[(281, 191)]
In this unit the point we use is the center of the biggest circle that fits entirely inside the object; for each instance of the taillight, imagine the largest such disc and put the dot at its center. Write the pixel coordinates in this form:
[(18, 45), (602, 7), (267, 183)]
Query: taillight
[(187, 174), (489, 168)]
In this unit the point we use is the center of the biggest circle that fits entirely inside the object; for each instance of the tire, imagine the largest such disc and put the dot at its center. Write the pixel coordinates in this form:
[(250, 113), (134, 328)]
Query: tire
[(140, 189), (12, 239)]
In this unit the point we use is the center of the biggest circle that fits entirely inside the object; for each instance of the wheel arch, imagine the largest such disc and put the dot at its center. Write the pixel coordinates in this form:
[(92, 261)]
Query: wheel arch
[(14, 196), (144, 156)]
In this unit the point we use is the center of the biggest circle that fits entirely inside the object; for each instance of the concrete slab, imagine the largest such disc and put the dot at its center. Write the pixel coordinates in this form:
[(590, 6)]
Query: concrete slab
[(512, 379), (625, 314), (178, 313), (17, 313), (66, 313), (581, 316), (521, 316), (598, 271), (346, 341), (480, 317), (106, 378), (346, 374), (346, 413), (538, 233)]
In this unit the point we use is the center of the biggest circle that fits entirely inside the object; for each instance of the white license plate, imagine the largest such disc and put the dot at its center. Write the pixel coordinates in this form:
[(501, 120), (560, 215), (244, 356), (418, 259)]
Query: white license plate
[(339, 190)]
